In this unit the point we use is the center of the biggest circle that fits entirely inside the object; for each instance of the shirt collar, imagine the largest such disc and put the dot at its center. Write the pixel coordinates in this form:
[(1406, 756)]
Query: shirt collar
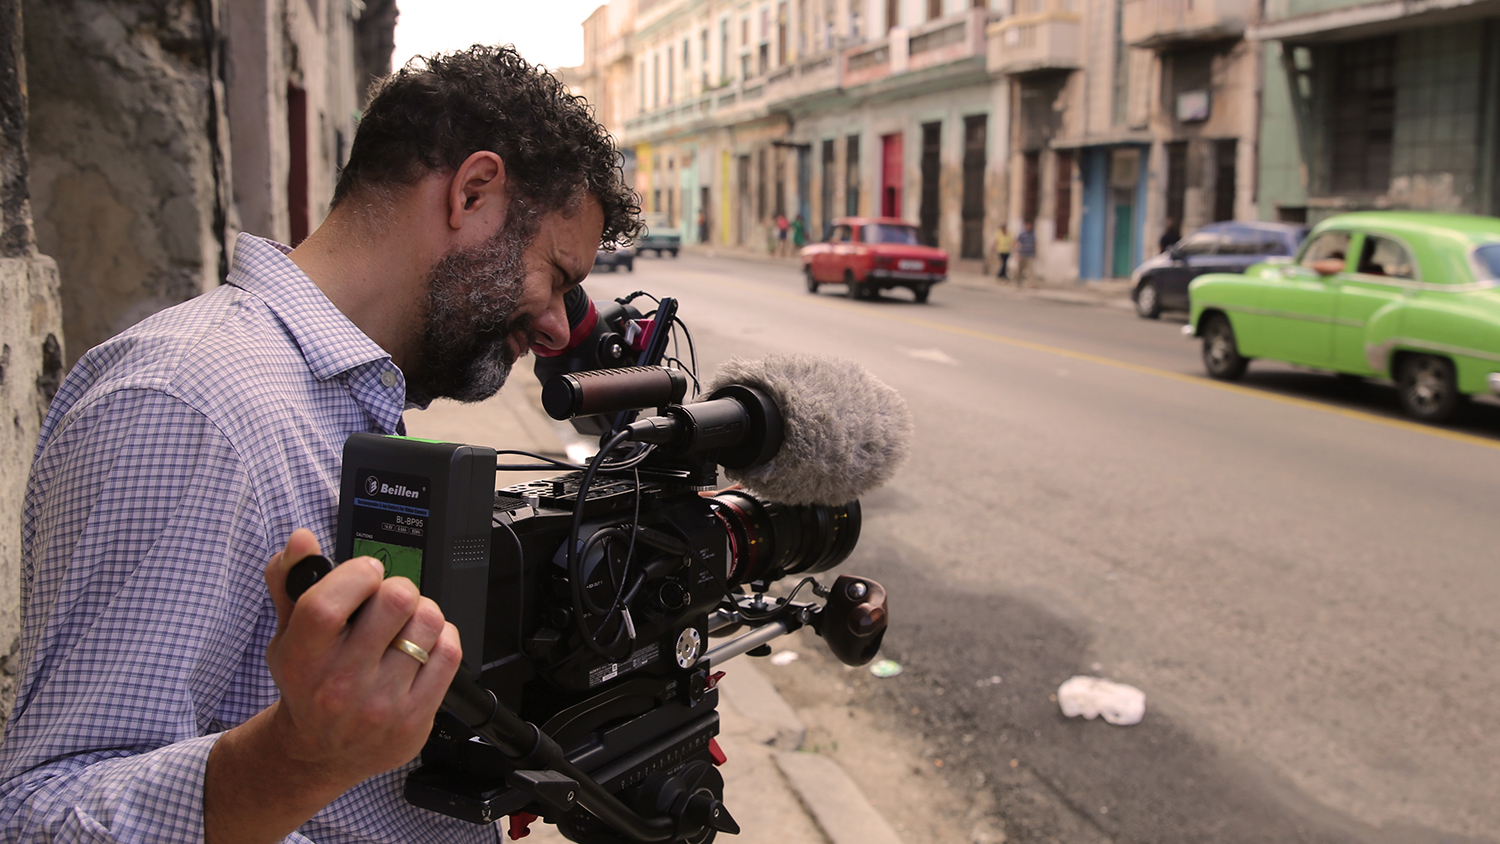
[(330, 343)]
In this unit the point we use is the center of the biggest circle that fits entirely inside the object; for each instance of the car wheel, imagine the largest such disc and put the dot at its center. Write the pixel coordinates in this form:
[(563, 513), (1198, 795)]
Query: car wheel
[(920, 292), (812, 283), (630, 266), (674, 253), (1428, 388), (1147, 301), (1221, 355), (854, 291)]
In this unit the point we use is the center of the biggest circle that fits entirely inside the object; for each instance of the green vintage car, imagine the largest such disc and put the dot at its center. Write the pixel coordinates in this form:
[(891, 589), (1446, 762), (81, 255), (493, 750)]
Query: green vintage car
[(1413, 297)]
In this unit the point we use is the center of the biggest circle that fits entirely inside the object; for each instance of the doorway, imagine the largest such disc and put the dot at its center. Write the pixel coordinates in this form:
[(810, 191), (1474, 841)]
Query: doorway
[(890, 175)]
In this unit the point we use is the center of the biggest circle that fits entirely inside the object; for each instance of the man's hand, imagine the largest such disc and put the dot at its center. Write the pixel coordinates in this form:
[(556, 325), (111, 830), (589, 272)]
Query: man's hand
[(351, 705)]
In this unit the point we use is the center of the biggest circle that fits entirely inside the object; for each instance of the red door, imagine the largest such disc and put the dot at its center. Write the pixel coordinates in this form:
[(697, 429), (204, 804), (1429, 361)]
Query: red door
[(890, 175)]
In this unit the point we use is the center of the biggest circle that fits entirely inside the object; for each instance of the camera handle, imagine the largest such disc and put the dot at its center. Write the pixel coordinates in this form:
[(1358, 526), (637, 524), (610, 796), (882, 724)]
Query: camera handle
[(532, 750)]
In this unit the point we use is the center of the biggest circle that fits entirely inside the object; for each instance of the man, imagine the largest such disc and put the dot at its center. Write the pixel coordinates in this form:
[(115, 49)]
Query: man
[(1170, 235), (1025, 254), (170, 692), (1003, 244)]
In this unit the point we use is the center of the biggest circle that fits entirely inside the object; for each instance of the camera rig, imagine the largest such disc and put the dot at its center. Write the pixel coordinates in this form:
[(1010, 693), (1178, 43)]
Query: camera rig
[(588, 603)]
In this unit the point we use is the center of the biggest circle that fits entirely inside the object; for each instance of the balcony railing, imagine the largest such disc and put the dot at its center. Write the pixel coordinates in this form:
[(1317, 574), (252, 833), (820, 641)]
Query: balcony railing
[(947, 40), (1156, 24), (1047, 37)]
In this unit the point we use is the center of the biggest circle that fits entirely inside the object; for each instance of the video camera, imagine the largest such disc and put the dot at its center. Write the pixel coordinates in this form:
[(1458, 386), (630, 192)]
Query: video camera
[(586, 602)]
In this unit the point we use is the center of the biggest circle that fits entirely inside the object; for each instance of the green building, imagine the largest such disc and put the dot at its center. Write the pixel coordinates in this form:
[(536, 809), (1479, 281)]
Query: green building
[(1392, 104)]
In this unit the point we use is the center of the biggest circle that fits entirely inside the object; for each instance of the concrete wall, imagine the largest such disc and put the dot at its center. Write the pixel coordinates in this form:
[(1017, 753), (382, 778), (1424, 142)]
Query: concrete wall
[(31, 355), (126, 182)]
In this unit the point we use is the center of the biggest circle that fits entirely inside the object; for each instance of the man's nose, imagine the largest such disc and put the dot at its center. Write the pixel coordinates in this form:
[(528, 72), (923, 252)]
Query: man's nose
[(552, 329)]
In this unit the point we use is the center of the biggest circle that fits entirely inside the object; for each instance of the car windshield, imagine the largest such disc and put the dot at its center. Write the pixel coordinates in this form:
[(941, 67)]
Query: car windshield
[(1487, 260), (888, 233)]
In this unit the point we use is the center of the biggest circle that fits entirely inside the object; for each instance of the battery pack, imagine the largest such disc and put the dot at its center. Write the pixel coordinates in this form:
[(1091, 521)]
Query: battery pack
[(423, 509)]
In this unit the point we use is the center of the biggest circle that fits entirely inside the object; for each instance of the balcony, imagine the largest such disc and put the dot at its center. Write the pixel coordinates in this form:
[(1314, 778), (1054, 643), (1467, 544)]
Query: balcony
[(808, 78), (1158, 24), (1042, 35), (947, 40), (867, 63)]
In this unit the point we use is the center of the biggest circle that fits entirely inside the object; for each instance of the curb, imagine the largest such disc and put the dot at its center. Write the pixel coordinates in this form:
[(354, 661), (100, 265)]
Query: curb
[(835, 802), (825, 790), (1112, 293)]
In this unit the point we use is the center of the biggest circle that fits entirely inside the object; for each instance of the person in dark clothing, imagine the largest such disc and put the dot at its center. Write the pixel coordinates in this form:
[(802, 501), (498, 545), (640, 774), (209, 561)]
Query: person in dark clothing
[(1171, 235)]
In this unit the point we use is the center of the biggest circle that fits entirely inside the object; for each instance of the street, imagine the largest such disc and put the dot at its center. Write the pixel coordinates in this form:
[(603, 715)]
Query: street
[(1302, 582)]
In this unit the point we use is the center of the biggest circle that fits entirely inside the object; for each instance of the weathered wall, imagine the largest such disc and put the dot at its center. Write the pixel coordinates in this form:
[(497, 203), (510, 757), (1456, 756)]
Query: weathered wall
[(125, 178), (30, 337)]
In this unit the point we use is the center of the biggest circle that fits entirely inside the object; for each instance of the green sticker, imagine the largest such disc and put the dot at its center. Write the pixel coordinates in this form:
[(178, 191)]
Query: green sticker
[(399, 560), (885, 668)]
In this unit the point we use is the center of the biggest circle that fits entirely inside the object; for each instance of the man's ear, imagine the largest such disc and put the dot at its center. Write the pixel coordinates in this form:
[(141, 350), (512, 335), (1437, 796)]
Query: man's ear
[(477, 191)]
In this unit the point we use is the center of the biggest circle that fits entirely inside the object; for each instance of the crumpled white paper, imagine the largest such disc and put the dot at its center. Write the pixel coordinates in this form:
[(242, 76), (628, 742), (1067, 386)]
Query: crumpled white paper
[(1092, 697)]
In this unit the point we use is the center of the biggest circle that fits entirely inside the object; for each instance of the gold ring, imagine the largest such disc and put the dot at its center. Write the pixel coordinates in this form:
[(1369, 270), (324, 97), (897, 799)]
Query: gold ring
[(411, 649)]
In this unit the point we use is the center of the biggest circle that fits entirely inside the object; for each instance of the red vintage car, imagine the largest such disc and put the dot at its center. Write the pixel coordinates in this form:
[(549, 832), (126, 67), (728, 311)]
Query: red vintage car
[(871, 254)]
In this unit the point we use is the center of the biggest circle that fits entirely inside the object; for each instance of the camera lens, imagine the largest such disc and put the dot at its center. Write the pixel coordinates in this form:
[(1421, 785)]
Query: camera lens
[(768, 540)]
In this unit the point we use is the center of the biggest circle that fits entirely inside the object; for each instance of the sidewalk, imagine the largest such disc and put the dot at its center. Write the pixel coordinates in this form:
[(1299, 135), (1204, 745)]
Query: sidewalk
[(1108, 292), (777, 794)]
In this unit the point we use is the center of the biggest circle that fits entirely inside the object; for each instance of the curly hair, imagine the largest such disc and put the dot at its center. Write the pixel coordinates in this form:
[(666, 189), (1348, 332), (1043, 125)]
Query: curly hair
[(435, 112)]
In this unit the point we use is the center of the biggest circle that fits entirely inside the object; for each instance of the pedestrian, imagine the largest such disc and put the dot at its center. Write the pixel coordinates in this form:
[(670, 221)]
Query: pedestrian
[(781, 228), (1170, 235), (1025, 255), (799, 233), (168, 689), (702, 226), (1003, 244)]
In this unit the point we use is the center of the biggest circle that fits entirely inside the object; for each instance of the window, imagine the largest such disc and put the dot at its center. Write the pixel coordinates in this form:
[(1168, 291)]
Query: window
[(724, 50), (927, 210), (934, 9), (1202, 243), (1364, 116), (1062, 196), (972, 243), (1383, 256), (1031, 166), (671, 75), (1326, 245), (851, 175), (1487, 262), (685, 45), (1224, 178), (892, 14), (840, 234), (891, 233)]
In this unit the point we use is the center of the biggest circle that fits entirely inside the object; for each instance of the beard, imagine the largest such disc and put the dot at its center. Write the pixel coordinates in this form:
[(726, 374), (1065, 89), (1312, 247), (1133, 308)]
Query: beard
[(472, 298)]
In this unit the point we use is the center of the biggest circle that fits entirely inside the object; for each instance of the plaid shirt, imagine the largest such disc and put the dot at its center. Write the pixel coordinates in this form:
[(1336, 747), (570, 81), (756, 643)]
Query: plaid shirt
[(175, 460)]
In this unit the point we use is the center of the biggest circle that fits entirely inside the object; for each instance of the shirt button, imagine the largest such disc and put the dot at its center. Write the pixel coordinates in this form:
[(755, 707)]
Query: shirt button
[(388, 377)]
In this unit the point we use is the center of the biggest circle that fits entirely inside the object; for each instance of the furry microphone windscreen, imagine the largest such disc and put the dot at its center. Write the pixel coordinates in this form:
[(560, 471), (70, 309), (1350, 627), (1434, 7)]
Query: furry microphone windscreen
[(846, 431)]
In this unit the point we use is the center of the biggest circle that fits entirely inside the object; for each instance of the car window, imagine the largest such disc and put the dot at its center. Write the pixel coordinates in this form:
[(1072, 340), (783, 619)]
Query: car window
[(1383, 256), (890, 233), (1326, 245), (1487, 262), (840, 235), (1202, 243)]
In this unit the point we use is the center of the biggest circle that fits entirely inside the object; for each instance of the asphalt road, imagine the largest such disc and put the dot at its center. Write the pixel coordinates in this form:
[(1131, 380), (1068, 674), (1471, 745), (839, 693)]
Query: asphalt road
[(1304, 585)]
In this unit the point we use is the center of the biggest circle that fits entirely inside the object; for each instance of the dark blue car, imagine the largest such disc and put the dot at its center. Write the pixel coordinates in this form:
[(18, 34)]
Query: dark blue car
[(1161, 283)]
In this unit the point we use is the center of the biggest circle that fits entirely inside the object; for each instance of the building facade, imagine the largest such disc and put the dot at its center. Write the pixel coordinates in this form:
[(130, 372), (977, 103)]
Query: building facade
[(1380, 105), (1127, 114), (744, 110)]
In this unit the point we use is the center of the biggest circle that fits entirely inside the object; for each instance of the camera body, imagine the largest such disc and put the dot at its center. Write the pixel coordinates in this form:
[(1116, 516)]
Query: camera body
[(644, 706), (586, 601)]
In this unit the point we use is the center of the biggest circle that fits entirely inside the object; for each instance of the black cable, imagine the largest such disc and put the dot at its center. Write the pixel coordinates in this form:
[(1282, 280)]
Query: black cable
[(575, 562)]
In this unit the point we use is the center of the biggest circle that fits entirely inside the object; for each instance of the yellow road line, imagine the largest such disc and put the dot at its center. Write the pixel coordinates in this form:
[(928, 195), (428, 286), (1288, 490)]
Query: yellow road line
[(1195, 380)]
